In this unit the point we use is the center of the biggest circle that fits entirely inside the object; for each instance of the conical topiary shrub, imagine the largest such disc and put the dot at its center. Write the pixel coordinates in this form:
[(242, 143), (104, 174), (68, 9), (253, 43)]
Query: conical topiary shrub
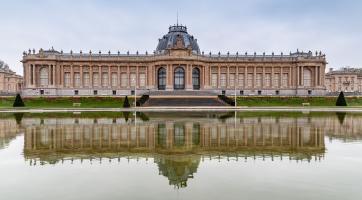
[(341, 101), (126, 103), (18, 101)]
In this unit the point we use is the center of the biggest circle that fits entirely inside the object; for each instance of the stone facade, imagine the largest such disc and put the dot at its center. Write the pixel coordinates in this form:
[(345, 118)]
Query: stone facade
[(177, 64), (348, 80), (10, 82)]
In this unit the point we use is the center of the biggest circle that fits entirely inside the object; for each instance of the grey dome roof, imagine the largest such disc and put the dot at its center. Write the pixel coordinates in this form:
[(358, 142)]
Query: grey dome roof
[(169, 40)]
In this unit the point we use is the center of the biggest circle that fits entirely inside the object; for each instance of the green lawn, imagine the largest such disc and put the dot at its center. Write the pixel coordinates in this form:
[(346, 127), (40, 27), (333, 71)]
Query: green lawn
[(294, 101), (117, 102), (67, 102)]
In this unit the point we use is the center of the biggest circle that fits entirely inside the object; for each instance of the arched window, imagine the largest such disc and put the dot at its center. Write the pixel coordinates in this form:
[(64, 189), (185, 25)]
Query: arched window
[(162, 78), (179, 78), (307, 77), (44, 76), (196, 78)]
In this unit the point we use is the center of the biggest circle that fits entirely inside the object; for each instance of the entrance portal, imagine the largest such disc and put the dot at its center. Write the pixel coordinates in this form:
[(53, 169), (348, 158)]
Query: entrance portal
[(162, 78), (179, 78), (195, 78)]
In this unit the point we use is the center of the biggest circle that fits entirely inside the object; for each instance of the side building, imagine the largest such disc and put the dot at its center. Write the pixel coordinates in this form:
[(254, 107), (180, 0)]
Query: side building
[(348, 80), (10, 82), (176, 64)]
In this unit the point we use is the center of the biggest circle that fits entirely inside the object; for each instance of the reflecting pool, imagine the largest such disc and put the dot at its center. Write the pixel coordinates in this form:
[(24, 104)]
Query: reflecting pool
[(181, 155)]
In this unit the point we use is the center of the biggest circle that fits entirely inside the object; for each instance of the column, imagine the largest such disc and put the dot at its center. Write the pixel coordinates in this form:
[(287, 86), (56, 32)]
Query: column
[(262, 78), (118, 76), (315, 76), (168, 77), (54, 76), (228, 77), (280, 77), (290, 77), (137, 77), (272, 77), (321, 75), (91, 76), (109, 77), (301, 76), (61, 76), (50, 68), (218, 77), (245, 77), (72, 76), (297, 76), (188, 75), (254, 77), (34, 75), (236, 81), (81, 75), (31, 78)]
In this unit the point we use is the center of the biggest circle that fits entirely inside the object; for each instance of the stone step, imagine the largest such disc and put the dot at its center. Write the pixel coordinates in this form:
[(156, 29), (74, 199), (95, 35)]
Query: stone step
[(175, 102), (182, 93)]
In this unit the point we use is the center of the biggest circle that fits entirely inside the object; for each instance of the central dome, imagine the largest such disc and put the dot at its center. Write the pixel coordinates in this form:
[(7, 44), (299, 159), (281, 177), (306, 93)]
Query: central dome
[(170, 40)]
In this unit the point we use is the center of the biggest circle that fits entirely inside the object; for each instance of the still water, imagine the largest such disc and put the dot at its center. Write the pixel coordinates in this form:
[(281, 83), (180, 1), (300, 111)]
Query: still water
[(246, 155)]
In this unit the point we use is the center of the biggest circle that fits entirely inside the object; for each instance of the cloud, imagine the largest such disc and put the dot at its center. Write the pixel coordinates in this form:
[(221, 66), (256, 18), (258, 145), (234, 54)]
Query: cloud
[(271, 26)]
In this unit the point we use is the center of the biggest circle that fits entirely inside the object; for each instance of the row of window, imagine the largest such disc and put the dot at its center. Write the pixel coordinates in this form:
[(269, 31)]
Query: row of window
[(95, 92), (103, 81), (240, 81), (259, 92)]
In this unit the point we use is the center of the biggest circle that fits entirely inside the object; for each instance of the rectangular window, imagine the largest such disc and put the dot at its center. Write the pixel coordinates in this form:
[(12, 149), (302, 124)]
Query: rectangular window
[(104, 79), (241, 80), (258, 80), (133, 79), (76, 79), (67, 79), (142, 80), (276, 80), (250, 80), (124, 80), (96, 79), (285, 80), (223, 80), (86, 79), (114, 92), (267, 80), (114, 80), (214, 80), (232, 80), (95, 92)]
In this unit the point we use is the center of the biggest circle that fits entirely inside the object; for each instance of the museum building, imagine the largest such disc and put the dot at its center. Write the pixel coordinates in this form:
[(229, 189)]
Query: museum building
[(176, 64)]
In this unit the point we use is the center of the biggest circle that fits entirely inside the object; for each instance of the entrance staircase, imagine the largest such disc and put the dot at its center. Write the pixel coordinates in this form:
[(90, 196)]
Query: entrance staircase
[(182, 98)]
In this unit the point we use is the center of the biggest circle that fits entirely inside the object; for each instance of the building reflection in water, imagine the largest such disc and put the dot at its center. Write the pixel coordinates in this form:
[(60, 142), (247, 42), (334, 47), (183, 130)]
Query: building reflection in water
[(177, 143)]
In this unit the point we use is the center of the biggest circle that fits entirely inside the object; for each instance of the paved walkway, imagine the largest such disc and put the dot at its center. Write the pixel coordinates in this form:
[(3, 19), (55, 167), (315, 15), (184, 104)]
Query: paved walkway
[(188, 108)]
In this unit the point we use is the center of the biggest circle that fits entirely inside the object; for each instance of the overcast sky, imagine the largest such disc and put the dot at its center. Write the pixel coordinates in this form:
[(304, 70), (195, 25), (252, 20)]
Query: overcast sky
[(334, 26)]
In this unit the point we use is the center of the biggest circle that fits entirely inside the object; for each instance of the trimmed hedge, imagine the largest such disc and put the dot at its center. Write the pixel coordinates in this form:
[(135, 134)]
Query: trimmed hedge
[(341, 101), (226, 99), (18, 102), (144, 98), (126, 103)]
